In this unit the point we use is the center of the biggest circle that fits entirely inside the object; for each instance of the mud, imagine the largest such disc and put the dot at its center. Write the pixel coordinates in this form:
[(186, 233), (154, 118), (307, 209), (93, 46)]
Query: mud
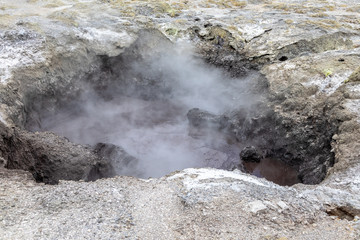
[(273, 170)]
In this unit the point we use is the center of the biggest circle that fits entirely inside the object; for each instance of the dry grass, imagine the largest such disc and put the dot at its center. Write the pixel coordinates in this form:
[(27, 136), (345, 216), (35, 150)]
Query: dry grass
[(320, 15), (355, 9), (325, 23), (227, 3)]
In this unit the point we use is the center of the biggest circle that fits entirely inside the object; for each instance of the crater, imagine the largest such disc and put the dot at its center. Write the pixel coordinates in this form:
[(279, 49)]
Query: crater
[(156, 108)]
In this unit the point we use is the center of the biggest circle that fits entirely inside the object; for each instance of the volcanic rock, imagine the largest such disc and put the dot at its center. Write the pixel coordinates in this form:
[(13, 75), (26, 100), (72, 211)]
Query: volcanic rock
[(250, 154)]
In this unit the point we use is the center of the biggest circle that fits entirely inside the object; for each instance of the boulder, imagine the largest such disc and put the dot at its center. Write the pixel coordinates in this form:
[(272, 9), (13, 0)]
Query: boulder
[(120, 162)]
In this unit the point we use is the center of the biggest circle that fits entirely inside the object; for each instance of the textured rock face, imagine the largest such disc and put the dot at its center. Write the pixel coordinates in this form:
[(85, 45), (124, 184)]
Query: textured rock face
[(119, 161), (250, 154), (322, 113), (307, 116), (49, 157)]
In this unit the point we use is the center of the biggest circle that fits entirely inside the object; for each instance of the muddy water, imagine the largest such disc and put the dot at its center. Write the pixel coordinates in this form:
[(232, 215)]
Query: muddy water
[(273, 170)]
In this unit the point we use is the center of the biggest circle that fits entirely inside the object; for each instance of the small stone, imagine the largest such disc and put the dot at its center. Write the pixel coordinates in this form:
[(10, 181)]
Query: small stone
[(257, 206), (283, 205)]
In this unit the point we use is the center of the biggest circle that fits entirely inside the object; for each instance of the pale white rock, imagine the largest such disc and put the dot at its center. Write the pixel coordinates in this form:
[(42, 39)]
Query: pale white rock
[(329, 84), (354, 106), (257, 206), (282, 204), (193, 177), (252, 31)]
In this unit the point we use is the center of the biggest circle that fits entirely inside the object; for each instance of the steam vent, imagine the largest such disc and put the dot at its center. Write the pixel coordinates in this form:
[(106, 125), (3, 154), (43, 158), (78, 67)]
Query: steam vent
[(204, 119)]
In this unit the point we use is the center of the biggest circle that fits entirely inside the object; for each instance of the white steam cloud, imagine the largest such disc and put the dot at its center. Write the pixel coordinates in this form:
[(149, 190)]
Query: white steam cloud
[(156, 131)]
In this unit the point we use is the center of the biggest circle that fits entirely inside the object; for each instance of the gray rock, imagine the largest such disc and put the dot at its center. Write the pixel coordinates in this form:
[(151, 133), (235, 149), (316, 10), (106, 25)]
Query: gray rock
[(120, 162), (251, 154)]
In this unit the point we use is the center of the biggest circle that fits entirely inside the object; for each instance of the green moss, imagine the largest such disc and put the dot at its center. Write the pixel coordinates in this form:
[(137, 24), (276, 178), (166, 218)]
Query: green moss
[(173, 13), (172, 31), (328, 72)]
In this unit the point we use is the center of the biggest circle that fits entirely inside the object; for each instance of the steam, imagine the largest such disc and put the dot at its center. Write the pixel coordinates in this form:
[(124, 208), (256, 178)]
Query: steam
[(155, 130)]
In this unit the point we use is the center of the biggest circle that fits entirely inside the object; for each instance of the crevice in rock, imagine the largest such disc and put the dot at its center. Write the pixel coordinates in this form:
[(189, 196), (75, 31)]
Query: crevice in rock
[(343, 212), (283, 58)]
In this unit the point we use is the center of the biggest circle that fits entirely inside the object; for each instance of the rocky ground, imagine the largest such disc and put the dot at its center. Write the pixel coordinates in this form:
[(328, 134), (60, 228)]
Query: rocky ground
[(191, 204), (308, 54)]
